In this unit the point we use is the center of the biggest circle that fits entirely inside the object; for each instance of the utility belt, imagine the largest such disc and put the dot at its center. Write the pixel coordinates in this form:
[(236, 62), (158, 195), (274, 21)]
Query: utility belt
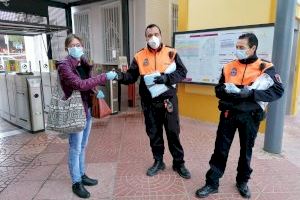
[(258, 115), (239, 106), (163, 103)]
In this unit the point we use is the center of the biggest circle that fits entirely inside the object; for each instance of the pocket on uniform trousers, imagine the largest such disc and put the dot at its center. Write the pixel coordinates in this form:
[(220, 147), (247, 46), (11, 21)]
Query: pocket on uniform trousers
[(258, 116), (158, 105)]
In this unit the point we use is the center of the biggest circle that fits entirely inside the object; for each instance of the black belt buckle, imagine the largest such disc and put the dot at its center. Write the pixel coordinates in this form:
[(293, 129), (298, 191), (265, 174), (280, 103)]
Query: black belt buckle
[(168, 105)]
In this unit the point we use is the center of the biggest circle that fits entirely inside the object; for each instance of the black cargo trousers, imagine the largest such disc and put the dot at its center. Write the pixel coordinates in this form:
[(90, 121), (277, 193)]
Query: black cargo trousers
[(157, 116), (247, 124)]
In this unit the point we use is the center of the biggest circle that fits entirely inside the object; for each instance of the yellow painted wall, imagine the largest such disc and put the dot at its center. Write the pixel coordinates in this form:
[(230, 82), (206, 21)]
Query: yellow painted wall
[(183, 15), (203, 14), (296, 89), (198, 101)]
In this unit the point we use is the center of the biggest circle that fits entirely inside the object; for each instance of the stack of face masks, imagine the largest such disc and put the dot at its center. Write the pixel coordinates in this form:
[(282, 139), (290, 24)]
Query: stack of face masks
[(263, 82), (170, 69), (158, 89), (155, 89), (231, 88)]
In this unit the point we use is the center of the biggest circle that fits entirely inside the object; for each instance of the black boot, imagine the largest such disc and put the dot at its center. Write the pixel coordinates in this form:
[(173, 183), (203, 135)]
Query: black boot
[(243, 189), (205, 191), (80, 191), (88, 181), (158, 165), (182, 171)]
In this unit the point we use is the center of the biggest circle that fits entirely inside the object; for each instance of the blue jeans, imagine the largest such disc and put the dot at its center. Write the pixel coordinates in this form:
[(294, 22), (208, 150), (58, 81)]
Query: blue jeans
[(77, 146)]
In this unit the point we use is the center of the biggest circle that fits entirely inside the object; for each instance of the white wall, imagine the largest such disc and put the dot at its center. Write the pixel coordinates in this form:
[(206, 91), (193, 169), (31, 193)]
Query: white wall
[(137, 25), (57, 18), (160, 12), (95, 24), (36, 50), (145, 12), (141, 13)]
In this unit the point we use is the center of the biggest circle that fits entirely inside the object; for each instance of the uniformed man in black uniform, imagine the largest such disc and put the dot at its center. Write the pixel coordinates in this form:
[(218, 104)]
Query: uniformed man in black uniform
[(163, 109), (240, 111)]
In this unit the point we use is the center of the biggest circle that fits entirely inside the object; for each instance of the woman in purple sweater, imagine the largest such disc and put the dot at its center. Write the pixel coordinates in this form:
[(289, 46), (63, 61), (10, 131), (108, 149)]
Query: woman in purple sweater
[(75, 74)]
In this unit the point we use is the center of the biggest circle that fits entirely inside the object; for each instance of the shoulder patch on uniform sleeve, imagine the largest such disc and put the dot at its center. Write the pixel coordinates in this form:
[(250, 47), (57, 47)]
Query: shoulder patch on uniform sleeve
[(277, 77)]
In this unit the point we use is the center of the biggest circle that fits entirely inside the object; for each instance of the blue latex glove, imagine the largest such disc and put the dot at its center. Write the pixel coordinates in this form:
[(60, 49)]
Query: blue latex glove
[(111, 75), (100, 95)]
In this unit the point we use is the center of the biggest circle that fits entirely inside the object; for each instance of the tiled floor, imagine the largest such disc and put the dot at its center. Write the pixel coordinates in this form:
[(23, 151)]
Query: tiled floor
[(34, 166)]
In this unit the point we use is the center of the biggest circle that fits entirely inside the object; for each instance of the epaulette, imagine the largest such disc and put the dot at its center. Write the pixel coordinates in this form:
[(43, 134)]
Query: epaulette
[(169, 47), (231, 61), (262, 66), (141, 49), (265, 61), (171, 52)]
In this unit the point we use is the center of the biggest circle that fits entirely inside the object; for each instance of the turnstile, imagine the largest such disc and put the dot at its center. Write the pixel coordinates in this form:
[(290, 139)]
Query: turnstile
[(22, 101), (11, 91), (113, 96), (4, 109), (111, 90), (35, 103), (46, 89)]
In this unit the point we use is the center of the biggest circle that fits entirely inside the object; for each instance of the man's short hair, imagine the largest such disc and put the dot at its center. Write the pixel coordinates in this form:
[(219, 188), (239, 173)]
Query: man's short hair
[(252, 39), (151, 26)]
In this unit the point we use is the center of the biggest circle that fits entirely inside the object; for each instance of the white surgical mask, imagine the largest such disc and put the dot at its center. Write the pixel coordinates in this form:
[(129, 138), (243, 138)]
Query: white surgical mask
[(241, 54), (154, 42), (75, 52)]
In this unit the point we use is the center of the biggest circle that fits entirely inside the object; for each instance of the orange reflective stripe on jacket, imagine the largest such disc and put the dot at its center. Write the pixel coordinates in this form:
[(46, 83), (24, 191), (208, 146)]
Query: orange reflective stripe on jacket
[(244, 74), (149, 61)]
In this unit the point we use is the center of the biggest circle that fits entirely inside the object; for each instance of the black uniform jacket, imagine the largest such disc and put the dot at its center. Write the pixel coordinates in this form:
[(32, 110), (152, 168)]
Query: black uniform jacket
[(132, 75), (236, 103)]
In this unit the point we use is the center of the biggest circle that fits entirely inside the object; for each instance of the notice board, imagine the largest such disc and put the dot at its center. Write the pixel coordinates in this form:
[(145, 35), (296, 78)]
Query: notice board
[(204, 52)]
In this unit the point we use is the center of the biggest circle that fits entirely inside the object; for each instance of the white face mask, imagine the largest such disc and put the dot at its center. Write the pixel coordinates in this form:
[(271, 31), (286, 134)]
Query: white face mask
[(241, 54), (154, 42)]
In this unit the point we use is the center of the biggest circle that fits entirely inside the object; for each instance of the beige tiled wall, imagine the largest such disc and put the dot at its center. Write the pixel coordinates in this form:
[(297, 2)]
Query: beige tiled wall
[(160, 12)]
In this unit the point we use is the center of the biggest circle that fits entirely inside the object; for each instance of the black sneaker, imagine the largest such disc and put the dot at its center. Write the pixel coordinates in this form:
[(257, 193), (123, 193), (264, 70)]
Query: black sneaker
[(182, 171), (205, 191), (80, 191), (156, 167), (243, 190), (88, 181)]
